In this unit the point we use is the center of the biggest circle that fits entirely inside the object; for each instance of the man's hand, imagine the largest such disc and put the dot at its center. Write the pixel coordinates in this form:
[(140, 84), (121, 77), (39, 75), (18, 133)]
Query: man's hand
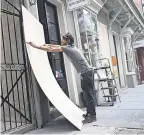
[(47, 47), (32, 44)]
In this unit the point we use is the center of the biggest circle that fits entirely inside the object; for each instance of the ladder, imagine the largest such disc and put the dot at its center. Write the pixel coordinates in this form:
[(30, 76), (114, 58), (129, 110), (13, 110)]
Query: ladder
[(110, 92)]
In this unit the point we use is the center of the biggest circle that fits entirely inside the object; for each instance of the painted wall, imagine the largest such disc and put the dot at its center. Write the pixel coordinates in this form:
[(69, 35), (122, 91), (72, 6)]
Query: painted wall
[(104, 41), (104, 50)]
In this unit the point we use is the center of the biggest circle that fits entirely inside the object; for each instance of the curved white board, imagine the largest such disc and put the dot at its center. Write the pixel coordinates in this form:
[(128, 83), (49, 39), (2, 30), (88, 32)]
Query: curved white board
[(33, 32)]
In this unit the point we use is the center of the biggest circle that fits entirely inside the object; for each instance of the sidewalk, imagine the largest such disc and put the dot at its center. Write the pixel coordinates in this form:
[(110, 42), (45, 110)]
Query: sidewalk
[(126, 117)]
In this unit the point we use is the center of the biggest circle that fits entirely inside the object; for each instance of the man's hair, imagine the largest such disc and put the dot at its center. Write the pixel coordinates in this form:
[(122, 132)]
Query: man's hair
[(68, 37)]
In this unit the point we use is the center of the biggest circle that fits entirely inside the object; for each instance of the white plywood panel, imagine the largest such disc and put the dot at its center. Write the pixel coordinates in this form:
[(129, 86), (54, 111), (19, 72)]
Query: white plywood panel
[(33, 32)]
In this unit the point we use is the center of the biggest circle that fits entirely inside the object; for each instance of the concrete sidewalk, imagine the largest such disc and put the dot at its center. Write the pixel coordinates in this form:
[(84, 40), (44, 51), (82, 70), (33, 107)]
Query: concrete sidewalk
[(126, 117)]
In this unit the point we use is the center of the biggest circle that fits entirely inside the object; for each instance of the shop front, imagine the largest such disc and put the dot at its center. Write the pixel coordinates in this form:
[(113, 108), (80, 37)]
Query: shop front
[(124, 23), (85, 19)]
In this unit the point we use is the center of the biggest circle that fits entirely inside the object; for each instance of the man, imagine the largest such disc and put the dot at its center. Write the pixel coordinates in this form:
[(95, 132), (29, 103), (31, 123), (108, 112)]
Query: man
[(82, 66)]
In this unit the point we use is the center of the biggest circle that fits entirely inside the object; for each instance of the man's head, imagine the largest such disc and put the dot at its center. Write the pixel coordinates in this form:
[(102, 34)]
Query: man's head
[(67, 39)]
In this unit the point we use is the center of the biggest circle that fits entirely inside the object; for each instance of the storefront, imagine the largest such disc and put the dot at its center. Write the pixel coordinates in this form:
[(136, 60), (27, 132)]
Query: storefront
[(90, 36), (124, 23)]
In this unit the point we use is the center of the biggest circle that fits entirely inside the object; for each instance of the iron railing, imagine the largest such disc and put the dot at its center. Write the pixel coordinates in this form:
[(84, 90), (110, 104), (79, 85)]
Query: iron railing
[(16, 81)]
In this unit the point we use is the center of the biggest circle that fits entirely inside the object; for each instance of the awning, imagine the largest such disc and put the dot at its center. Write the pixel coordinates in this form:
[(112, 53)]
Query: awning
[(120, 12), (124, 13)]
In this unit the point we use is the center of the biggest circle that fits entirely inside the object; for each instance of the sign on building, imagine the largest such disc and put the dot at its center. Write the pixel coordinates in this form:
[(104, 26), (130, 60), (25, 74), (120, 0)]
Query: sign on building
[(75, 4)]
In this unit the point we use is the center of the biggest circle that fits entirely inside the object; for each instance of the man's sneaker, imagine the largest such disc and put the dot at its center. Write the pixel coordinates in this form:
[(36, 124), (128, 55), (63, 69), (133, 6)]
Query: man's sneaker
[(85, 115), (89, 119)]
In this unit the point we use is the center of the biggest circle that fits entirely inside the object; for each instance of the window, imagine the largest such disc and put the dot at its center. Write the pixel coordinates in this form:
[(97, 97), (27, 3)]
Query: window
[(88, 33), (128, 54)]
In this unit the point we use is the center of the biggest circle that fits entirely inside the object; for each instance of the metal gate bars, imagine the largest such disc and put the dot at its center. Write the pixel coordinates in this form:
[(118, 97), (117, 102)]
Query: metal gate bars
[(16, 82)]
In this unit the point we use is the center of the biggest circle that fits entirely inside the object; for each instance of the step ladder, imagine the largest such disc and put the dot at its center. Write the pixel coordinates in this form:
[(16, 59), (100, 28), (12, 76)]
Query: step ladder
[(110, 92)]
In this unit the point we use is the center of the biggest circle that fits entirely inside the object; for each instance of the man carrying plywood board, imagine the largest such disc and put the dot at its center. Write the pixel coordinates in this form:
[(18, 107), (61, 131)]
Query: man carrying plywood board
[(82, 66)]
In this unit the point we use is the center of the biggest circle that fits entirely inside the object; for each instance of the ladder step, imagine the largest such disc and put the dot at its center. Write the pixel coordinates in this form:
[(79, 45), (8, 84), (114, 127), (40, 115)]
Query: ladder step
[(110, 96), (106, 104), (104, 88), (105, 79), (102, 68)]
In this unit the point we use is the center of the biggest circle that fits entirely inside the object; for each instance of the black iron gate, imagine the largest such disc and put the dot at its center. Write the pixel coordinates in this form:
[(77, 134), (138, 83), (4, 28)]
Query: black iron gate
[(16, 81)]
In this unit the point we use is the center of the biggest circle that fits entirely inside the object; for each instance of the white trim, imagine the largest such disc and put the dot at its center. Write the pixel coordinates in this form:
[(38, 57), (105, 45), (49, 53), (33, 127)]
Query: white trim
[(95, 5), (77, 30), (138, 44), (114, 33), (76, 95), (100, 3), (64, 17), (123, 57), (130, 73), (124, 50)]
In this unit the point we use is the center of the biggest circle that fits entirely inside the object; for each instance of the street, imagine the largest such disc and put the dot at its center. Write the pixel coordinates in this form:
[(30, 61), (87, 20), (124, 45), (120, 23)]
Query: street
[(126, 117)]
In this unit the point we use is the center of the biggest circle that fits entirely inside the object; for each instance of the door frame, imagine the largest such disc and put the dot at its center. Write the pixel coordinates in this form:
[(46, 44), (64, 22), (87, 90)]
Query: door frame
[(117, 40), (139, 61), (43, 20)]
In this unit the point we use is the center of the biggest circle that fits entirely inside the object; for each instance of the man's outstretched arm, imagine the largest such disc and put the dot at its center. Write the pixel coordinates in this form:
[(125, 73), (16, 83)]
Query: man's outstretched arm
[(47, 47)]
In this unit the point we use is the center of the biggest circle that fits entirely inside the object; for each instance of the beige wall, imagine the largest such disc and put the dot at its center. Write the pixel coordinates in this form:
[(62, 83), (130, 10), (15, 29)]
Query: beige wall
[(104, 51), (104, 41)]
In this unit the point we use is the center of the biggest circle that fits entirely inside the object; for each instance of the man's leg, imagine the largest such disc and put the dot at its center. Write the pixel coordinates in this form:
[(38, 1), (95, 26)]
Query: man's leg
[(88, 88), (90, 101)]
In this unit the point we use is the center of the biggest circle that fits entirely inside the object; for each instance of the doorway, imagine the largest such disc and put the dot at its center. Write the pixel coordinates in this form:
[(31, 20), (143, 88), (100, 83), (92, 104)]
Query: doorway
[(49, 19), (117, 53), (140, 63)]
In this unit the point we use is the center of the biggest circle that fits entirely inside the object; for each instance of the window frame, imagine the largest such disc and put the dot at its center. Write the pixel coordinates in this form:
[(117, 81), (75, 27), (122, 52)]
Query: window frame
[(77, 28)]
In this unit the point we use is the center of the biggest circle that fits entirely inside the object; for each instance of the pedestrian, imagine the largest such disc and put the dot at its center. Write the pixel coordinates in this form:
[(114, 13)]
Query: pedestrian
[(82, 66)]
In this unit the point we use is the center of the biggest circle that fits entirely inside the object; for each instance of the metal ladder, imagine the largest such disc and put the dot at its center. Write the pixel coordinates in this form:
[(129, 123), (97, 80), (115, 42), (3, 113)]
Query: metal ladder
[(112, 88)]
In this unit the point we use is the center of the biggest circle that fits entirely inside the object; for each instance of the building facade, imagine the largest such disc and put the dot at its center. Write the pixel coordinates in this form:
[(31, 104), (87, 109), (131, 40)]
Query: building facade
[(118, 24)]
